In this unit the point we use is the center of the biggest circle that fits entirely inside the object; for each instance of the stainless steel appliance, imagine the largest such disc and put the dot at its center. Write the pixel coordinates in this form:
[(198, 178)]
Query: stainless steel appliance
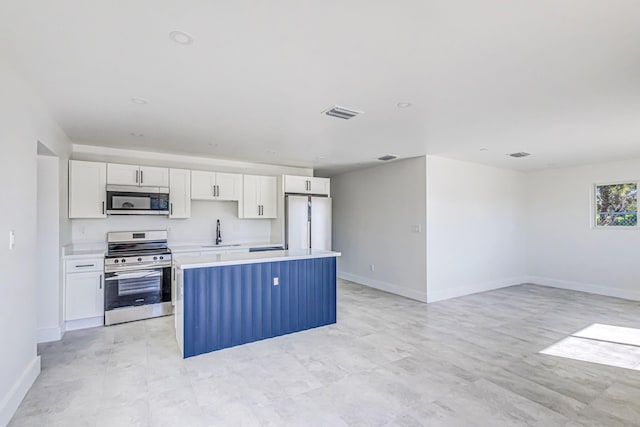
[(307, 222), (132, 200), (137, 271)]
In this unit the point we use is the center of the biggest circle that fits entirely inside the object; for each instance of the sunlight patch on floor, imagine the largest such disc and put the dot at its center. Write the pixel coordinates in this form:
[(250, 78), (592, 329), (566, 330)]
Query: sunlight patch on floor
[(603, 344)]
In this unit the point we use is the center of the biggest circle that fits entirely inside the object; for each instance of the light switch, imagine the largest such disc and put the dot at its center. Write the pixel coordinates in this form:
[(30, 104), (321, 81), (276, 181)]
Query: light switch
[(416, 228), (276, 281), (12, 239)]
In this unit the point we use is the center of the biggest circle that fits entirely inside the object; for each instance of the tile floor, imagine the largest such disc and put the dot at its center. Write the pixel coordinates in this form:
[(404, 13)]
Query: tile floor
[(471, 361)]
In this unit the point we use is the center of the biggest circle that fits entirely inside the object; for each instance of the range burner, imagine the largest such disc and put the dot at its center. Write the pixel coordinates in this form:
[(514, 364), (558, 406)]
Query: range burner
[(137, 249)]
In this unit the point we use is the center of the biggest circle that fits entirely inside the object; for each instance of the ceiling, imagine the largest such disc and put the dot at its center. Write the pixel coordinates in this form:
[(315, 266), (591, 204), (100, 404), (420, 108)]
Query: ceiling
[(557, 78)]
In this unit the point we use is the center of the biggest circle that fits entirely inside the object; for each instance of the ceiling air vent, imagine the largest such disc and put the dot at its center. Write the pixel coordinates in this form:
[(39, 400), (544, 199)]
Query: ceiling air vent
[(387, 157), (519, 154), (341, 112)]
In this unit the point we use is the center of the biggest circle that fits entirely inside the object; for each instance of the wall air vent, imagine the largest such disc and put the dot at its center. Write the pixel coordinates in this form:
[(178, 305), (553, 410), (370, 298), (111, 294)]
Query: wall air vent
[(519, 154), (341, 112), (387, 157)]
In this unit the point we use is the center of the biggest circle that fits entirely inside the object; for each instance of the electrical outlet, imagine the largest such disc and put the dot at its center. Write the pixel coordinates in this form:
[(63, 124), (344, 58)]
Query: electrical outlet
[(276, 281), (416, 228), (372, 267), (12, 239)]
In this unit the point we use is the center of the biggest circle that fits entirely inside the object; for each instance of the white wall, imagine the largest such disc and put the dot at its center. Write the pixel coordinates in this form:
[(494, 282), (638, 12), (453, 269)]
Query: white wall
[(200, 228), (475, 228), (24, 122), (374, 210), (563, 248), (48, 288)]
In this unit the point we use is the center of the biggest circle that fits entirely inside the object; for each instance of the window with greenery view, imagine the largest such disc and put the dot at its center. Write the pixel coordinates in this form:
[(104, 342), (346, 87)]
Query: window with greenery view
[(617, 205)]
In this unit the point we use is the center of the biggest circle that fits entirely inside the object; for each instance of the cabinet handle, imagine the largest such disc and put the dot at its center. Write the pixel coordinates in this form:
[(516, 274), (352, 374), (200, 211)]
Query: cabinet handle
[(213, 190), (217, 190), (141, 179), (103, 207), (101, 281), (137, 176), (171, 207), (85, 265)]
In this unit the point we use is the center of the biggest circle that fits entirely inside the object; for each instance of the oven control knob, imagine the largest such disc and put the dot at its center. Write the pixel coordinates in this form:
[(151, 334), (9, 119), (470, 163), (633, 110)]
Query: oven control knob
[(116, 261), (139, 259), (155, 258), (161, 257), (124, 260)]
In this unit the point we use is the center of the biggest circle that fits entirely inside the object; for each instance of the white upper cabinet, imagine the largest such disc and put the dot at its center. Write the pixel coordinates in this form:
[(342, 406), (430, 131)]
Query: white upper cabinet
[(179, 193), (150, 176), (306, 185), (229, 186), (260, 197), (207, 185), (154, 177), (87, 189)]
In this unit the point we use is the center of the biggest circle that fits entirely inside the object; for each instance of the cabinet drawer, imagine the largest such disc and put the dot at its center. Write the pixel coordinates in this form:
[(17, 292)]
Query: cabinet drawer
[(86, 264)]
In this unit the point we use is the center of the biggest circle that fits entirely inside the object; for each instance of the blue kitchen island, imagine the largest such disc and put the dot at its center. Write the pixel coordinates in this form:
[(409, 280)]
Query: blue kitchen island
[(224, 300)]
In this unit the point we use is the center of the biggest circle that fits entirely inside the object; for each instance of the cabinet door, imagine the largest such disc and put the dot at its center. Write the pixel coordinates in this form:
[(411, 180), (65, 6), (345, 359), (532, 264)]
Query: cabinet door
[(84, 295), (202, 183), (154, 177), (87, 189), (296, 184), (229, 186), (179, 193), (123, 174), (268, 197), (319, 185), (250, 196)]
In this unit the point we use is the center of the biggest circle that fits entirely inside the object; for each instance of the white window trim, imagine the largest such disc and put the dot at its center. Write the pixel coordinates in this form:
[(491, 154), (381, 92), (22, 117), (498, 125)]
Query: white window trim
[(592, 211)]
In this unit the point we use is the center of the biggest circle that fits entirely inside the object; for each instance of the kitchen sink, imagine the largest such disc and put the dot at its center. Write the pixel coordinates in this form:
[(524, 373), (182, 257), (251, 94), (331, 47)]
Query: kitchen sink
[(220, 246)]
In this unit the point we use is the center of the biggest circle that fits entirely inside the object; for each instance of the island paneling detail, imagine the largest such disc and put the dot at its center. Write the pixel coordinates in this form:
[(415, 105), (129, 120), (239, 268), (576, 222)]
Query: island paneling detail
[(231, 305)]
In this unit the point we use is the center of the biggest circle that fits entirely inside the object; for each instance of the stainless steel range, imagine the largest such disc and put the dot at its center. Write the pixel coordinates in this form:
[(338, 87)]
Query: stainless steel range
[(137, 271)]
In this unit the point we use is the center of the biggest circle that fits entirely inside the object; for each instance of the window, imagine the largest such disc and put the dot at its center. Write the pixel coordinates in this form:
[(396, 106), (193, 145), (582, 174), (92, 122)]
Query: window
[(616, 205)]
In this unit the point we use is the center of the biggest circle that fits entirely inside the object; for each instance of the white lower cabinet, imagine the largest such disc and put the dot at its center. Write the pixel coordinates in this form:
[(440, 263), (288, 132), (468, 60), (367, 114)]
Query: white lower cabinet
[(84, 293)]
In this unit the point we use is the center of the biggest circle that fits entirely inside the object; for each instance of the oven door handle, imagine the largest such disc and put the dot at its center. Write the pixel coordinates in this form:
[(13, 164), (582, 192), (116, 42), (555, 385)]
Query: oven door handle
[(135, 275)]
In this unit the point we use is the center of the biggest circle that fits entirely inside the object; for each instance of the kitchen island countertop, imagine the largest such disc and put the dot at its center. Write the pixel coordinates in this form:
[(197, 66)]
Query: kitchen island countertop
[(216, 260)]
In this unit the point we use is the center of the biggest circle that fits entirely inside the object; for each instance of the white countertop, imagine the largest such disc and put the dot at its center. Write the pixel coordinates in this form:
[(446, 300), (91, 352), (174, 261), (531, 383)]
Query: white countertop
[(217, 260), (205, 247), (84, 251), (92, 250)]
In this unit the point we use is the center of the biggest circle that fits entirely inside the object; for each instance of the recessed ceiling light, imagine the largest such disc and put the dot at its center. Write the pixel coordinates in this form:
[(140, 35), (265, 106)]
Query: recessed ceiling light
[(139, 101), (137, 135), (484, 149), (181, 37), (404, 104)]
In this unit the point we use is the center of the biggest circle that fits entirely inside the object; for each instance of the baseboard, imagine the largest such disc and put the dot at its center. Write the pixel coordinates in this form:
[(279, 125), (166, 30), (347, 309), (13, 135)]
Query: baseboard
[(460, 291), (585, 287), (49, 334), (18, 391), (91, 322), (384, 286)]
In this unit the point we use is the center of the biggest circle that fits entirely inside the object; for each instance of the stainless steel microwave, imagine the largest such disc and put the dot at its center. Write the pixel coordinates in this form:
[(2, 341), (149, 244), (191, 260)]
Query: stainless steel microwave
[(134, 200)]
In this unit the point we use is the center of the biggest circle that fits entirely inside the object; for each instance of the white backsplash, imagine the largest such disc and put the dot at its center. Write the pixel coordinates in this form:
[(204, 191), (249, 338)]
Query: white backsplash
[(200, 228)]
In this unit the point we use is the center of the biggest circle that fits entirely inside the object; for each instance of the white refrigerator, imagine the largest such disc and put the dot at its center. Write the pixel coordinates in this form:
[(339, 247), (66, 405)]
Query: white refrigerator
[(307, 223)]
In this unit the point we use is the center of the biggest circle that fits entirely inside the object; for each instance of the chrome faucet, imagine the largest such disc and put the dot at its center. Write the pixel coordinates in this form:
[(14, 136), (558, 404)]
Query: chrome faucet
[(218, 234)]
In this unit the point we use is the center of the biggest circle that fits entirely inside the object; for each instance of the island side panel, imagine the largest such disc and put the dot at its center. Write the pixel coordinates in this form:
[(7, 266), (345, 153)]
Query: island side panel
[(231, 305)]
